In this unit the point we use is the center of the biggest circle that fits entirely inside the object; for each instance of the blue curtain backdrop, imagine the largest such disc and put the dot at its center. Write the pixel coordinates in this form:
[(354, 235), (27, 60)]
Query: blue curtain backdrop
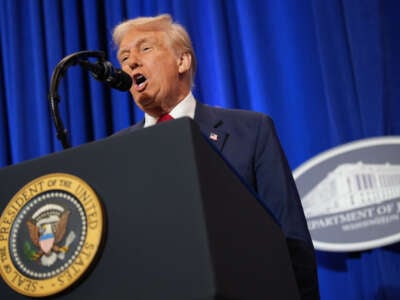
[(328, 72)]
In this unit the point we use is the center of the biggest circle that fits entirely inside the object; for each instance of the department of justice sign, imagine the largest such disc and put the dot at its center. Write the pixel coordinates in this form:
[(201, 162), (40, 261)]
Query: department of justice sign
[(50, 233), (351, 195)]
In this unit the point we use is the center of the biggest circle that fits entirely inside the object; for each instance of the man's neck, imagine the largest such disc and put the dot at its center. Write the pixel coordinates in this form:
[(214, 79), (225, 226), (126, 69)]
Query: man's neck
[(185, 108)]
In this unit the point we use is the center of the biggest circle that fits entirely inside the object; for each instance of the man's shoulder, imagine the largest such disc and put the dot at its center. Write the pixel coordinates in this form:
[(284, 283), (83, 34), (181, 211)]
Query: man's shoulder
[(240, 115), (130, 129)]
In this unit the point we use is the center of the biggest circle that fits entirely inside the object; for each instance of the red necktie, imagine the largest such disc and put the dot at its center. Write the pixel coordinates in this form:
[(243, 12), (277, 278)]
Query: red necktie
[(164, 118)]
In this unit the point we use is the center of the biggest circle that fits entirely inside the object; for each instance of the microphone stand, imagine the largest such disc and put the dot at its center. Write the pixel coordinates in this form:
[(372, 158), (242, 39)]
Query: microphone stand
[(54, 98)]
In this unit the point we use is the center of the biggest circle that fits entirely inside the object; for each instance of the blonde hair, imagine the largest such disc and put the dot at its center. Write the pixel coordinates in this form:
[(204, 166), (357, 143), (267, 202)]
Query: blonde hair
[(177, 34)]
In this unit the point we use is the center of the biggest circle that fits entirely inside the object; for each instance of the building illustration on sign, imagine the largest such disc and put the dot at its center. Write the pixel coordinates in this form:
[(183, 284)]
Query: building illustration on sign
[(352, 185)]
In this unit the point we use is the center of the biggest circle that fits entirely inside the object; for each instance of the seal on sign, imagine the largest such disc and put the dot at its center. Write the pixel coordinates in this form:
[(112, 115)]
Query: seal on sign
[(50, 233), (351, 195)]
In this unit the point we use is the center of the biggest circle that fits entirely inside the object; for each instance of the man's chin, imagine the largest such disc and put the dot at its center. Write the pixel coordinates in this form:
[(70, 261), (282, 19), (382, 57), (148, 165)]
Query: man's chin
[(148, 105), (143, 100)]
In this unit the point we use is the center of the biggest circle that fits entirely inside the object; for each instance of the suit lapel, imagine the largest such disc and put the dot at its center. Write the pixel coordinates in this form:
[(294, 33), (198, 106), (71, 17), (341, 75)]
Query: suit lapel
[(138, 125), (211, 125), (130, 129)]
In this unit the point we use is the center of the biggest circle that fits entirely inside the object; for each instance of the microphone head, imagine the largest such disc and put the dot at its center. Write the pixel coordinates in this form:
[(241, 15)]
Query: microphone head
[(115, 78), (120, 81), (105, 72)]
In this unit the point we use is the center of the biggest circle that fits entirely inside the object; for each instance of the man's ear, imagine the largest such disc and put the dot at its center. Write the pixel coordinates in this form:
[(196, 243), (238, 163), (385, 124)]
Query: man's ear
[(184, 62)]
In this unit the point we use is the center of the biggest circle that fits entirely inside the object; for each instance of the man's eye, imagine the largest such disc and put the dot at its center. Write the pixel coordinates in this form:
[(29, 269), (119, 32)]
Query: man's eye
[(146, 48), (123, 59)]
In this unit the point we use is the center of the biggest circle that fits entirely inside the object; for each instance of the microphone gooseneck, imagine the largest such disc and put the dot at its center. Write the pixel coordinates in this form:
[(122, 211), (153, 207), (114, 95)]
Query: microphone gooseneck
[(102, 70)]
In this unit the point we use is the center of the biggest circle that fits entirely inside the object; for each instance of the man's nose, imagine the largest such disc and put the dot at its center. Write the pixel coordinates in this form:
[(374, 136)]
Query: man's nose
[(133, 62)]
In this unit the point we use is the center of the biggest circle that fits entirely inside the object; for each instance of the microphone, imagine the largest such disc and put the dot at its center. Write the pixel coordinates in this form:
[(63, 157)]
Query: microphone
[(105, 72)]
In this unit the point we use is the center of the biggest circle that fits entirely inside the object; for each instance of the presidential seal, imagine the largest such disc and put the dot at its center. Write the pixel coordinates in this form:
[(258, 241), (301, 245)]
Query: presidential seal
[(50, 233)]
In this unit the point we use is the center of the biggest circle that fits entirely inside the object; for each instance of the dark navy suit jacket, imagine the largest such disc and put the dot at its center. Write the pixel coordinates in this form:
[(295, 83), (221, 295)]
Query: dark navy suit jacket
[(249, 143)]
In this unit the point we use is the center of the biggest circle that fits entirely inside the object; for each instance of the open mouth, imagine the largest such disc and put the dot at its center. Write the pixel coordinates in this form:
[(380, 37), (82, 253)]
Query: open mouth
[(139, 81)]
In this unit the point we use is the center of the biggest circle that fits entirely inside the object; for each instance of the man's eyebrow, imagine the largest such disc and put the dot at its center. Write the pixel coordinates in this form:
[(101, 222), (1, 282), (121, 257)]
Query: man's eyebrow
[(136, 44), (144, 40)]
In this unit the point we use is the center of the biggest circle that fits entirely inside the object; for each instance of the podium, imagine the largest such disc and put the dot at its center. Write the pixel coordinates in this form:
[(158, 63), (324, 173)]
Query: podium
[(180, 224)]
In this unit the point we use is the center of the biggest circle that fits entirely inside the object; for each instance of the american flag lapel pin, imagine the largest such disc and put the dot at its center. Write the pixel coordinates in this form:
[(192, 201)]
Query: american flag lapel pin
[(213, 136)]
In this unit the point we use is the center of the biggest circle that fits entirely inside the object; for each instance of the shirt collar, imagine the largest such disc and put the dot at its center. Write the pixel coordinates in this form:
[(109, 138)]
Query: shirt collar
[(185, 108)]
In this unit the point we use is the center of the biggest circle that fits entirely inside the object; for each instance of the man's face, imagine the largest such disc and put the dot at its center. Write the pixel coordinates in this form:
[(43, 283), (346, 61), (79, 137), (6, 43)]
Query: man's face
[(155, 70)]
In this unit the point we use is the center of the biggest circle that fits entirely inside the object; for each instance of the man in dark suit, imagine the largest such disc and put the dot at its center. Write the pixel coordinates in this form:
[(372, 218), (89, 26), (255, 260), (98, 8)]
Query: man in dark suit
[(158, 55)]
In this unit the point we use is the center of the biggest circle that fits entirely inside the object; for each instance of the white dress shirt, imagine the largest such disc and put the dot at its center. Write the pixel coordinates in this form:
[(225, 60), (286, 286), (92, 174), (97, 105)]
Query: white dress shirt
[(185, 108)]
